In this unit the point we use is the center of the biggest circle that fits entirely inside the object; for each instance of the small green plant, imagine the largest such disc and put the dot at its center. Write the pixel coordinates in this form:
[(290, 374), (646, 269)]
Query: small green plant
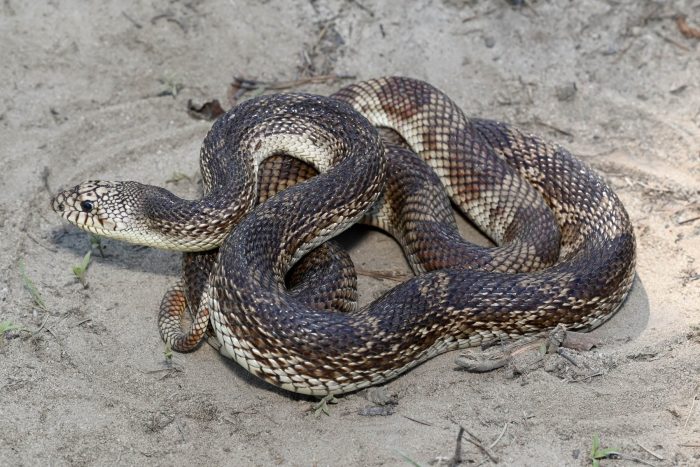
[(96, 242), (168, 352), (172, 86), (598, 452), (322, 406), (408, 459), (31, 288), (80, 271), (7, 326)]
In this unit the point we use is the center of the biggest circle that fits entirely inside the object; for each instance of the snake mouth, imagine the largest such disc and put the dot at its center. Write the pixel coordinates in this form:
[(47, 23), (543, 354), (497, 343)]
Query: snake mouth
[(91, 223), (64, 203)]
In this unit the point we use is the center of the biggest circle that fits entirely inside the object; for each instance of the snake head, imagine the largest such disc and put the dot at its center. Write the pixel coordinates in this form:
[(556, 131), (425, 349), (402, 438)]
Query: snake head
[(103, 208), (135, 213)]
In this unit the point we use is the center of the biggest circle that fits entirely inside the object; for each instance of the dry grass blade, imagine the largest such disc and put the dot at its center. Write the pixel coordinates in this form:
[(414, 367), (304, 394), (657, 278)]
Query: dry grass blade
[(408, 459), (389, 275), (479, 444), (420, 422), (690, 412), (503, 432), (659, 457)]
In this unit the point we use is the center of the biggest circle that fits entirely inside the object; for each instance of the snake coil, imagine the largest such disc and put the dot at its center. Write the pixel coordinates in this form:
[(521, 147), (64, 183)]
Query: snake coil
[(565, 254)]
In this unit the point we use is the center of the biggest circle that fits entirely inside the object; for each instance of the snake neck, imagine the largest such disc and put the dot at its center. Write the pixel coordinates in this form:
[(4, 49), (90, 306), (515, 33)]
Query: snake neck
[(202, 224)]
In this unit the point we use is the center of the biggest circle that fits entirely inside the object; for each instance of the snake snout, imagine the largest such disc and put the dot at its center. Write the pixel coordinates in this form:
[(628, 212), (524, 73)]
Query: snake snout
[(58, 203), (69, 200), (63, 203)]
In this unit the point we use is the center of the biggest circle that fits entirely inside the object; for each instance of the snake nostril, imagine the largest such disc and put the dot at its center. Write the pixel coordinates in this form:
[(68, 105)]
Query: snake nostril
[(57, 205)]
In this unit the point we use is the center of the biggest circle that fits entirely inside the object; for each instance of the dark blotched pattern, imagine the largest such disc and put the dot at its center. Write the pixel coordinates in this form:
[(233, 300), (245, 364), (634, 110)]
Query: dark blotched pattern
[(565, 253), (531, 198)]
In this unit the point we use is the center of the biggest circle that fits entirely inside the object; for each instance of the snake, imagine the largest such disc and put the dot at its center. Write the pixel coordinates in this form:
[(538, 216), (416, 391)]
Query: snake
[(564, 254)]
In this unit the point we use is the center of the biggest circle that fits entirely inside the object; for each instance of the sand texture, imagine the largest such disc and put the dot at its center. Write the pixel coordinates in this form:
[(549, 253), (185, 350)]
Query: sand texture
[(99, 90)]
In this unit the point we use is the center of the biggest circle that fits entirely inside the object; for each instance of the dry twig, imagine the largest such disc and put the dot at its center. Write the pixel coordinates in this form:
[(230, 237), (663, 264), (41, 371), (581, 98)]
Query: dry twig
[(420, 422), (685, 29), (241, 86), (390, 275), (457, 457), (584, 378), (673, 42), (479, 444), (690, 412), (650, 451), (687, 221)]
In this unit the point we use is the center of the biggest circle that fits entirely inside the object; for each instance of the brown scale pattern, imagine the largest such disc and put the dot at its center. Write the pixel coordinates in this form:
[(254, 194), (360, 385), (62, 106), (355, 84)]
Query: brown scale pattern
[(565, 254), (489, 169), (479, 182), (324, 279)]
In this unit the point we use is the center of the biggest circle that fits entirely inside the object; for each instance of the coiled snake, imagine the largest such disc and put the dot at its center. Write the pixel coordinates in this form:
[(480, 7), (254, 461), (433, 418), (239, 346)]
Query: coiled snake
[(566, 248)]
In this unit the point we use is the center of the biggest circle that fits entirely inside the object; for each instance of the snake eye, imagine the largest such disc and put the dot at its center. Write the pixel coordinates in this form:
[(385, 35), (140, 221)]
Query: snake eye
[(86, 206)]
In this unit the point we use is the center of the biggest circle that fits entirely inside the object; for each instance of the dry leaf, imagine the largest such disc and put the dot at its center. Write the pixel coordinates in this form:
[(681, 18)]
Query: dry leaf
[(685, 29), (208, 111)]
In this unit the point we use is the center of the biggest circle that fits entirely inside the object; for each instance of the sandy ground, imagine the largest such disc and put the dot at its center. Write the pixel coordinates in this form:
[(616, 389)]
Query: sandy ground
[(100, 89)]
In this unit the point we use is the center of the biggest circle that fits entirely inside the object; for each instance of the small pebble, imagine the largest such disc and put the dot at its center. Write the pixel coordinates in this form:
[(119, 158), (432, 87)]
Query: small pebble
[(380, 396), (377, 411)]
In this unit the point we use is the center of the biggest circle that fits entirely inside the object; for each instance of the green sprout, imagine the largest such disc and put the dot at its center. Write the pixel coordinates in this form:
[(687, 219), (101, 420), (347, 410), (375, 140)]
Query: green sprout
[(168, 352), (31, 288), (322, 406), (80, 270), (598, 453), (172, 87), (408, 459), (7, 326), (96, 242)]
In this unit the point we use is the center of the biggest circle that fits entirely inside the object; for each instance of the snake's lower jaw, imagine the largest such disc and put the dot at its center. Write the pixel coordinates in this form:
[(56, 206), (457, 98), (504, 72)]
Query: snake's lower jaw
[(90, 223), (110, 225)]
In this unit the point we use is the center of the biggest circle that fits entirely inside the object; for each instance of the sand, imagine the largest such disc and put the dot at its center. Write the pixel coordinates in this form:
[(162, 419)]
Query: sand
[(100, 90)]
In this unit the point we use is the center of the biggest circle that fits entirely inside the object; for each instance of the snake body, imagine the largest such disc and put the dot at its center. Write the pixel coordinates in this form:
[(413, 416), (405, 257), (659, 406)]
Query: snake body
[(566, 247)]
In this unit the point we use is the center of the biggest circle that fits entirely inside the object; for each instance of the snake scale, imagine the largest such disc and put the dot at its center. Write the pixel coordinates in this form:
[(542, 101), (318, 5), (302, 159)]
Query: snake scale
[(565, 254)]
